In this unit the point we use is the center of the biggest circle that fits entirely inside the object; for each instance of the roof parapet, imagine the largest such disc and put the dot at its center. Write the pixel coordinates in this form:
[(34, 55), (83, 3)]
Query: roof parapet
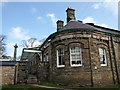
[(92, 24)]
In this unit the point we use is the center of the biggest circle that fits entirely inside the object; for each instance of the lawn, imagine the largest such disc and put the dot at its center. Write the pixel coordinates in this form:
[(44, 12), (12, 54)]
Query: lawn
[(30, 87), (61, 86), (23, 87)]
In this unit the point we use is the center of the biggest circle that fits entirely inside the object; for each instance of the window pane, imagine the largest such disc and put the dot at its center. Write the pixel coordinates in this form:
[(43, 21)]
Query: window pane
[(102, 55), (76, 56), (60, 59), (78, 62)]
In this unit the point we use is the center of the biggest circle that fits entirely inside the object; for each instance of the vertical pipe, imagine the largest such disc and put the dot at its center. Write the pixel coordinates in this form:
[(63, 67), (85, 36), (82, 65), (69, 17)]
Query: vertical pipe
[(15, 74), (92, 84), (115, 63), (111, 61)]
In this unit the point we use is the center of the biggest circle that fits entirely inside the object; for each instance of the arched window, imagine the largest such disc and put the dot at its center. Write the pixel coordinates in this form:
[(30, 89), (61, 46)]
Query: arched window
[(75, 56), (102, 54)]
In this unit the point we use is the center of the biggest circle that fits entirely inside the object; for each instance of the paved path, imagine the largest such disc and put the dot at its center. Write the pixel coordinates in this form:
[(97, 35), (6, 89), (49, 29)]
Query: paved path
[(50, 87)]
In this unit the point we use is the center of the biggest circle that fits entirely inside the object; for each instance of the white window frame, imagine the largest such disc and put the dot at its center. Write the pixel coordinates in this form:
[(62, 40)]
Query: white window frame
[(58, 59), (101, 55), (80, 53)]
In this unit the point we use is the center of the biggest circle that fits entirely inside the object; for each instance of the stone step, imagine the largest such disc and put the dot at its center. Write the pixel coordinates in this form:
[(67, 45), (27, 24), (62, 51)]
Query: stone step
[(31, 79)]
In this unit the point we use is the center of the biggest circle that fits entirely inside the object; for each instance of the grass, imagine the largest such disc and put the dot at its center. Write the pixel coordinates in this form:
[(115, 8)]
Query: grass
[(30, 87), (23, 87), (54, 85), (111, 87)]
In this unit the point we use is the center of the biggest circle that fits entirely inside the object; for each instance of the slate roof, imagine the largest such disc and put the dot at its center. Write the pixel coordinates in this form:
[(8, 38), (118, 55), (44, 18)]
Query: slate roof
[(27, 56), (75, 24), (28, 53), (7, 63), (79, 25)]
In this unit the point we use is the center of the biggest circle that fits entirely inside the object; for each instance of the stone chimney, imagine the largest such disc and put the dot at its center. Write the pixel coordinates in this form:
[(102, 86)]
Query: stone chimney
[(59, 24), (15, 52), (70, 14)]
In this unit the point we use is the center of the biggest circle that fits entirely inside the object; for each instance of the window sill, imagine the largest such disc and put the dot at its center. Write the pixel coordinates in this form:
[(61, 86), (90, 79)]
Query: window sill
[(103, 65), (61, 66), (76, 65)]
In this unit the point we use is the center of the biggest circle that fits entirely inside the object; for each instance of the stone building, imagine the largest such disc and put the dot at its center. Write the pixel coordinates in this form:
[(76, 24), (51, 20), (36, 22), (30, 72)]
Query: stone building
[(79, 54)]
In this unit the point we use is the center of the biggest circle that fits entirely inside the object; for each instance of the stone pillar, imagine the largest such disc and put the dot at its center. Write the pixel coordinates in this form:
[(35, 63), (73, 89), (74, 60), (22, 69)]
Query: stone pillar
[(15, 52)]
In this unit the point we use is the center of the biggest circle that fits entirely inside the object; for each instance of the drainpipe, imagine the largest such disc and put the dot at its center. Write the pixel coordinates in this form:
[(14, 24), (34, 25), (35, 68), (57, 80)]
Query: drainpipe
[(92, 84), (111, 62), (115, 63)]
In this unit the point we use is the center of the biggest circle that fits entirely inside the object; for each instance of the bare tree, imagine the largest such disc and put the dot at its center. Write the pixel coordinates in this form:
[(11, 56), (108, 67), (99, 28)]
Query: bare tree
[(2, 44), (30, 43)]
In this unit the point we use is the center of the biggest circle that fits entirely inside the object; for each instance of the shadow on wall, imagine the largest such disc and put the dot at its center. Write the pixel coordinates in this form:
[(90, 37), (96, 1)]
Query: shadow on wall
[(119, 15)]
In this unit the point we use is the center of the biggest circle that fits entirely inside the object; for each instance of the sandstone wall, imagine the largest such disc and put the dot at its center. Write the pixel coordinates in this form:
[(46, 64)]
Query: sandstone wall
[(8, 75), (22, 72), (91, 73)]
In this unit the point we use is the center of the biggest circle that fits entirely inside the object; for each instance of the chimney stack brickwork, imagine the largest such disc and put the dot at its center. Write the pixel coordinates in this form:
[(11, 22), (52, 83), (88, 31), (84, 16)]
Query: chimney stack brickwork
[(70, 14), (59, 25)]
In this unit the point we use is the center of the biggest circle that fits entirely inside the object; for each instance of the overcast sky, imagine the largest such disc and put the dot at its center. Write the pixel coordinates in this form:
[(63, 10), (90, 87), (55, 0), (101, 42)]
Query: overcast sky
[(23, 20)]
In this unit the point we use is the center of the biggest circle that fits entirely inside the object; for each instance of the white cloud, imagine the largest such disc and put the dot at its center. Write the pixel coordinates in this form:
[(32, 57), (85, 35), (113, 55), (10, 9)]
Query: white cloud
[(111, 5), (96, 6), (88, 20), (36, 43), (34, 10), (19, 33), (53, 18), (10, 45), (103, 25), (39, 18), (92, 20)]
